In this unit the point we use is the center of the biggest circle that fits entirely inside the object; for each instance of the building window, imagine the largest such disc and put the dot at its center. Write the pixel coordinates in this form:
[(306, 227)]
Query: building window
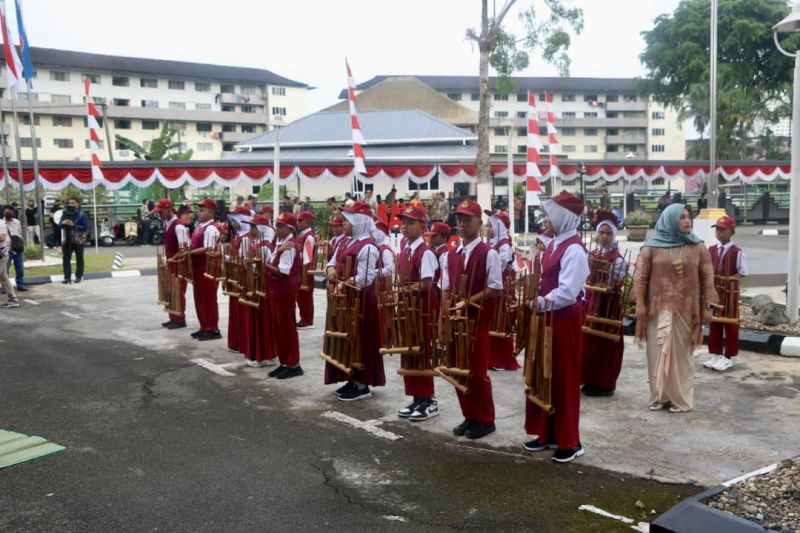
[(93, 78), (545, 149), (149, 124), (203, 107), (542, 97), (62, 121), (248, 109), (150, 103), (248, 128), (501, 132), (279, 111), (522, 97), (590, 114), (500, 149), (612, 114), (176, 85), (475, 97), (227, 88), (122, 124), (59, 75), (568, 148), (633, 114), (177, 105), (590, 148), (278, 91), (454, 96), (522, 114), (205, 147), (202, 87), (228, 128), (568, 132), (501, 114), (568, 114), (26, 119), (60, 98), (181, 126), (589, 97), (101, 100), (501, 97), (630, 98), (120, 81), (122, 102), (658, 132), (657, 148), (148, 83), (250, 90), (227, 108), (100, 144), (567, 97), (522, 148), (612, 148), (612, 131), (612, 98), (658, 115), (204, 127), (63, 143), (522, 132), (590, 132), (658, 181), (25, 142), (33, 97)]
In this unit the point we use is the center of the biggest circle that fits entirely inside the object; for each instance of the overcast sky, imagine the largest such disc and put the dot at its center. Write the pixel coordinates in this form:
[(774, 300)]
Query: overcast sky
[(308, 40)]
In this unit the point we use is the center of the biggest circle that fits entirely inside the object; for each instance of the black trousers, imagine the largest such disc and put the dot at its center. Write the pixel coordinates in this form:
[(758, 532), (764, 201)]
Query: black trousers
[(56, 234), (67, 248)]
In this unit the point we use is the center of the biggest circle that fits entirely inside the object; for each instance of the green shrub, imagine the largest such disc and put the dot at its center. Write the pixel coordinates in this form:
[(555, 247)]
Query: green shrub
[(33, 252), (637, 218)]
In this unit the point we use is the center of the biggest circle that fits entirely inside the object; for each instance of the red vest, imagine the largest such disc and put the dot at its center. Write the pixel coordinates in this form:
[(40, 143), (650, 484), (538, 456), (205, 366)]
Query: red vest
[(729, 265), (551, 265), (475, 274), (383, 248), (410, 267), (281, 284), (198, 236), (171, 239), (352, 250)]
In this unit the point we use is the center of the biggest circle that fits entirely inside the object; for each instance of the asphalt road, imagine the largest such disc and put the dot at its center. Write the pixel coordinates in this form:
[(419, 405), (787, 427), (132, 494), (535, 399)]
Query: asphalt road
[(156, 443)]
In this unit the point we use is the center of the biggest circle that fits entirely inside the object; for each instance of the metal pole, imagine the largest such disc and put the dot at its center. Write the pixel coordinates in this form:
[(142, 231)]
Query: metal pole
[(94, 210), (36, 182), (6, 175), (276, 171), (20, 179), (794, 202), (511, 185), (712, 138)]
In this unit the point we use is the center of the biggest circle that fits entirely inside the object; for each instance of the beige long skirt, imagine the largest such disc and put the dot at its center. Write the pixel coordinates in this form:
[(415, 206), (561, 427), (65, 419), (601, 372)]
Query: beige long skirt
[(669, 359)]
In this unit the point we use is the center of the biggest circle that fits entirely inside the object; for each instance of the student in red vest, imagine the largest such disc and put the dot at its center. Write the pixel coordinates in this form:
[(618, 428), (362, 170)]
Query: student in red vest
[(338, 237), (728, 260), (439, 237), (387, 259), (238, 337), (475, 261), (363, 255), (601, 361), (284, 273), (501, 350), (565, 269), (307, 242), (418, 265), (204, 240), (262, 348), (173, 231)]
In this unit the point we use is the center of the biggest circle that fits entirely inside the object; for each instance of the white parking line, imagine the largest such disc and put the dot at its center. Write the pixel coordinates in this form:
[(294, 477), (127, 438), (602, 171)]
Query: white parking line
[(370, 426), (644, 527), (208, 365), (32, 302), (71, 315)]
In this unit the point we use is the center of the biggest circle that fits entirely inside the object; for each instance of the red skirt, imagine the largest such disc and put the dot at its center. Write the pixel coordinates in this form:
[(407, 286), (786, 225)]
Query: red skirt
[(601, 362), (233, 324), (501, 353)]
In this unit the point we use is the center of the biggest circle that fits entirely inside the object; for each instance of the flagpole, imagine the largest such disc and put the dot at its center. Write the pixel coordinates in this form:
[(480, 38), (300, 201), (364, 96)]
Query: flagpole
[(20, 179), (94, 209), (6, 175), (37, 191)]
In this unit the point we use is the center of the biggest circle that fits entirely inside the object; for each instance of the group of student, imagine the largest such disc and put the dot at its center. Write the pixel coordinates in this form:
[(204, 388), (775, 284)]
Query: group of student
[(673, 287)]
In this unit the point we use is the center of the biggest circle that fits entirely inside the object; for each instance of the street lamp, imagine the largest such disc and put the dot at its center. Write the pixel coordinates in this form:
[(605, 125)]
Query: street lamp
[(789, 25)]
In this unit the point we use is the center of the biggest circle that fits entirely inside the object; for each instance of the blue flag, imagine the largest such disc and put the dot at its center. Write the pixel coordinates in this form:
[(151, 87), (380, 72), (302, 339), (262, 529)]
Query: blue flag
[(24, 49)]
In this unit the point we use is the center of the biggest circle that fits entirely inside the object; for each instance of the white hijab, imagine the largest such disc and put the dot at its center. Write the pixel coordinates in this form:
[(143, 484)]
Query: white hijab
[(244, 227), (362, 224), (562, 219), (499, 231), (613, 229), (266, 233), (380, 237)]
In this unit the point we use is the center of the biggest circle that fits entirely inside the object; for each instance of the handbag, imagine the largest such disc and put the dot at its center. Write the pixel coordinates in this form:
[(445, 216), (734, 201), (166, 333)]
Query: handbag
[(78, 237), (17, 244)]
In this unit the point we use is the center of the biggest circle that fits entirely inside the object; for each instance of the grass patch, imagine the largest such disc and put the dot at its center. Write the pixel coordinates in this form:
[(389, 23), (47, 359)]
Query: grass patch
[(91, 263)]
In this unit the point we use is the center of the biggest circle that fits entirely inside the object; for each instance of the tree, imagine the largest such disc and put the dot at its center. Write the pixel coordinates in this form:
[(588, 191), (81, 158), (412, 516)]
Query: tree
[(754, 79), (547, 30)]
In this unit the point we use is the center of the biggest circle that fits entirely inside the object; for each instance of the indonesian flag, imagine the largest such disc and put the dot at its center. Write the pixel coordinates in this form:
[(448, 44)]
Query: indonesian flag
[(358, 139), (13, 64), (532, 187)]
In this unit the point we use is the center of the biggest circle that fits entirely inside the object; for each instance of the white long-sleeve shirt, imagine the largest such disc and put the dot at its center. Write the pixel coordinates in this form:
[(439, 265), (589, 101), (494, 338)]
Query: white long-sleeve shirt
[(309, 236), (429, 263), (367, 260), (287, 258), (506, 257), (387, 260), (494, 270), (211, 235), (573, 275), (741, 262)]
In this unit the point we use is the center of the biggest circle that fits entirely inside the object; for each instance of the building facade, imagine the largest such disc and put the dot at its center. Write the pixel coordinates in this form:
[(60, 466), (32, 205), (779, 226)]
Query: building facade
[(212, 107)]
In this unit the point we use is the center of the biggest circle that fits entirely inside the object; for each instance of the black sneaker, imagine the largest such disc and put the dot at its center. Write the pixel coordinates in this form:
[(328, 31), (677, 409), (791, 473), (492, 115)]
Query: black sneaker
[(341, 390), (536, 446), (78, 280), (176, 325), (408, 410), (166, 324), (462, 428), (209, 335), (196, 333), (568, 454), (275, 371), (22, 288), (353, 394), (426, 409), (66, 281), (303, 325), (290, 372), (478, 430), (593, 391)]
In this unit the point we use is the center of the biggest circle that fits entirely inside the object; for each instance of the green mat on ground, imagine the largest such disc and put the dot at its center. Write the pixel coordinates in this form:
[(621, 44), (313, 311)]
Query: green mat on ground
[(17, 448)]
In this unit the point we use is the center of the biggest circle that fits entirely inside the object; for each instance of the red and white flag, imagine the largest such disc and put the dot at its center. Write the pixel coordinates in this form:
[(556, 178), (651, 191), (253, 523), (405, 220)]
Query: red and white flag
[(13, 64), (533, 173), (552, 134), (94, 127), (358, 139)]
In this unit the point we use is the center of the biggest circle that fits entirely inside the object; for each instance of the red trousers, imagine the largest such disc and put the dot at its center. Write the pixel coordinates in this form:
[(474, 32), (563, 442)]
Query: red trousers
[(478, 404), (205, 299), (181, 318), (248, 331), (420, 387), (305, 302), (234, 342), (501, 353), (601, 362), (264, 339), (287, 343), (723, 339), (561, 427)]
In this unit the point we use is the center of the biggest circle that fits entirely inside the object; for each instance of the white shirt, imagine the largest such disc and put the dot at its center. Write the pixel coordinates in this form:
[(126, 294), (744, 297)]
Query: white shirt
[(494, 270), (5, 244), (506, 256), (367, 260), (182, 233), (310, 237), (287, 258), (387, 259), (429, 263), (741, 263), (211, 236), (573, 275), (169, 223)]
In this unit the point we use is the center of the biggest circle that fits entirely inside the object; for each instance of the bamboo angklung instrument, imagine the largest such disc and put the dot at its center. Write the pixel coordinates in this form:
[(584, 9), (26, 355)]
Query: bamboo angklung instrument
[(320, 259), (527, 290), (727, 310), (231, 282), (163, 277), (253, 274), (341, 345), (214, 263), (502, 324), (538, 366), (606, 291)]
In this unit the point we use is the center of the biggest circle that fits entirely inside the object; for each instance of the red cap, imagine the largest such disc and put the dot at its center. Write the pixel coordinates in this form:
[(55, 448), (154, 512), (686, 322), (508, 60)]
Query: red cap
[(164, 203), (469, 208), (306, 215), (569, 202), (338, 220), (725, 222), (361, 208), (381, 225), (604, 216), (287, 219), (266, 209), (413, 213), (241, 211), (502, 215), (438, 228), (260, 220), (208, 203)]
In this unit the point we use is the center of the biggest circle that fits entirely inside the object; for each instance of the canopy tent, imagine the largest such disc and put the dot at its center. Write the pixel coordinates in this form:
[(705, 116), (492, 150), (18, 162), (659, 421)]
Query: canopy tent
[(226, 173)]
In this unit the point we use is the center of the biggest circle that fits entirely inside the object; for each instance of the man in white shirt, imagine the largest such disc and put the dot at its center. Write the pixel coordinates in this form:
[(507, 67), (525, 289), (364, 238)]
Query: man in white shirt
[(5, 248)]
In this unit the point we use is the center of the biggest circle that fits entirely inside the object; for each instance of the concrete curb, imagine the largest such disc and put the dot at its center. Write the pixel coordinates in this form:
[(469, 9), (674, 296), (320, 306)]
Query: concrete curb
[(773, 232), (41, 280)]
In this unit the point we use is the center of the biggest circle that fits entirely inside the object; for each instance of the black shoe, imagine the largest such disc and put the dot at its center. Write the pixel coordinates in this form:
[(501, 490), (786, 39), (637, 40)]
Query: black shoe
[(478, 430), (593, 391), (196, 333), (166, 324), (303, 325), (568, 454), (78, 280), (406, 411), (344, 387), (536, 446), (275, 371), (462, 428), (175, 325), (354, 393), (66, 282), (209, 335), (290, 372), (22, 288)]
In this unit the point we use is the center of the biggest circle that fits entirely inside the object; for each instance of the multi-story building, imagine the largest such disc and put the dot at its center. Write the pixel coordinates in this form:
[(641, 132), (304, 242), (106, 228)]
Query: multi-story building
[(212, 107)]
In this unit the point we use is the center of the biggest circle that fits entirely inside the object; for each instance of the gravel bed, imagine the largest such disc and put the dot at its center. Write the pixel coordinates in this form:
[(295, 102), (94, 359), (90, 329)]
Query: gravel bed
[(771, 500), (747, 321)]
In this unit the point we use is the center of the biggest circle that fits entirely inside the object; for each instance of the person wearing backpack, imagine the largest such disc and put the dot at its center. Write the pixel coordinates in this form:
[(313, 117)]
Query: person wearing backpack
[(5, 248), (16, 251)]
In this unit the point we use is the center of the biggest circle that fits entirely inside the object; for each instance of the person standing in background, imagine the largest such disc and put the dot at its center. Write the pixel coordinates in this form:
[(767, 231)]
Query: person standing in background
[(5, 248), (74, 227), (53, 226), (16, 250), (32, 218)]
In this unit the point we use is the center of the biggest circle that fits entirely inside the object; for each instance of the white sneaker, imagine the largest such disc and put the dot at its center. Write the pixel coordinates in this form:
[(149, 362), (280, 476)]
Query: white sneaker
[(713, 360), (269, 362), (10, 304), (252, 363), (723, 364)]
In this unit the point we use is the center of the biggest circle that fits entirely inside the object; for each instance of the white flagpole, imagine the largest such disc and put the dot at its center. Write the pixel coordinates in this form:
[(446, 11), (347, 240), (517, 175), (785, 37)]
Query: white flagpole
[(36, 182), (20, 180), (94, 209)]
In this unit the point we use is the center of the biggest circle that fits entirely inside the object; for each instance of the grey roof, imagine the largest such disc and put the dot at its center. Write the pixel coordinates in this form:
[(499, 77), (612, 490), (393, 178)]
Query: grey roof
[(100, 62), (383, 154), (521, 83), (378, 127)]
